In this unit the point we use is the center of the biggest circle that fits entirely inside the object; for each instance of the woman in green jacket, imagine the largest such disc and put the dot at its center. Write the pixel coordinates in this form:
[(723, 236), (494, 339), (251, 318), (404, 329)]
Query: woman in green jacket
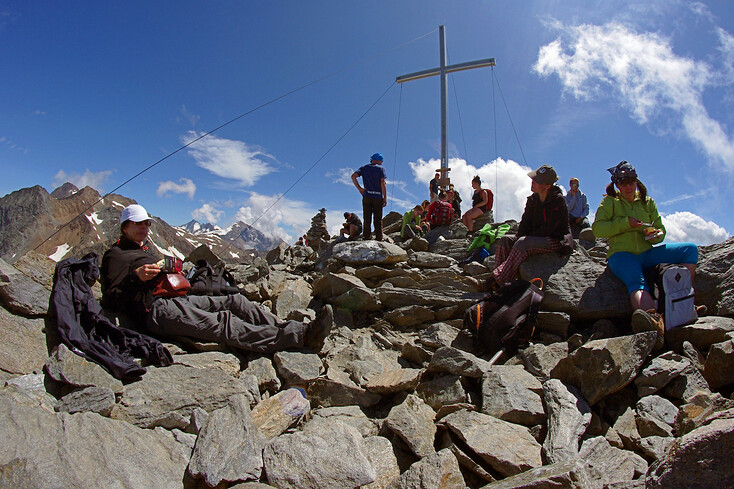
[(630, 219)]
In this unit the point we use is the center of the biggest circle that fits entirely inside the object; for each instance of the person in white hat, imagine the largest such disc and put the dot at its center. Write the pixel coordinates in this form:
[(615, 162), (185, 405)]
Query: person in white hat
[(129, 276)]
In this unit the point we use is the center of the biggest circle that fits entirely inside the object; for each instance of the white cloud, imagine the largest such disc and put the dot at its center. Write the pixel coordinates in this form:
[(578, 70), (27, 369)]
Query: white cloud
[(342, 175), (208, 213), (88, 178), (285, 219), (186, 186), (686, 226), (510, 177), (229, 159), (644, 75)]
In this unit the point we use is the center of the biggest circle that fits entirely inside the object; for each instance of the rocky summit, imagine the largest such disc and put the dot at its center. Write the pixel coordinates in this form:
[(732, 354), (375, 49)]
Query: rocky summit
[(399, 397)]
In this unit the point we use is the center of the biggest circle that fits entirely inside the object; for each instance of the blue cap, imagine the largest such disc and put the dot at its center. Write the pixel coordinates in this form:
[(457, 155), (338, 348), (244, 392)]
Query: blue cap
[(377, 157)]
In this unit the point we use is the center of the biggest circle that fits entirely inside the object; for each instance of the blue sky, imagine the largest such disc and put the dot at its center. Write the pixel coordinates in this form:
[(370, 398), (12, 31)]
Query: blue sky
[(95, 92)]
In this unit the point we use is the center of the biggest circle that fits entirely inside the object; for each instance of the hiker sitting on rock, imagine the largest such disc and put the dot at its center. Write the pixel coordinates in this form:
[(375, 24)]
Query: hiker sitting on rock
[(578, 208), (129, 276), (543, 228), (630, 219), (412, 225), (440, 212), (481, 202), (352, 226), (456, 201)]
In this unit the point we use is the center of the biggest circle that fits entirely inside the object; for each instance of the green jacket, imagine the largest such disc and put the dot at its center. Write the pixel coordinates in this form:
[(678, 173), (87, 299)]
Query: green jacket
[(407, 218), (612, 222)]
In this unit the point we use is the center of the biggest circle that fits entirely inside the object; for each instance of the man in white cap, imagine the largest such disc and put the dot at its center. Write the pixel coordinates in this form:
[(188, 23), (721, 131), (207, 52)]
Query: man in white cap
[(129, 276)]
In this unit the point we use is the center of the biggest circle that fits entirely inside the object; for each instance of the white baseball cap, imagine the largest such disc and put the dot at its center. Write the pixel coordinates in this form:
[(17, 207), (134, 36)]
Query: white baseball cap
[(134, 213)]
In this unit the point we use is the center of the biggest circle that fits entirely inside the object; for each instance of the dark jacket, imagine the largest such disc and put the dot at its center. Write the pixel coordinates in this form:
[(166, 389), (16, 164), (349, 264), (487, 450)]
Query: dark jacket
[(83, 327), (549, 218), (122, 290)]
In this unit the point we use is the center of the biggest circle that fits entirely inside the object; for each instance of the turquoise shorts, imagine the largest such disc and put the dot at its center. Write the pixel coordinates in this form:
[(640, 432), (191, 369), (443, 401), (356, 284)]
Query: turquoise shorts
[(631, 268)]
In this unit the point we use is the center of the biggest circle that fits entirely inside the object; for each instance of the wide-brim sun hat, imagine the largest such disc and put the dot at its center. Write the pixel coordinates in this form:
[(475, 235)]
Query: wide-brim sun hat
[(134, 213)]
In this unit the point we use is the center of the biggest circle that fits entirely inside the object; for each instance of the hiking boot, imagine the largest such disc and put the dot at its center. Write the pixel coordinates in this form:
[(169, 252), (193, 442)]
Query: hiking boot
[(319, 329), (649, 321), (491, 284)]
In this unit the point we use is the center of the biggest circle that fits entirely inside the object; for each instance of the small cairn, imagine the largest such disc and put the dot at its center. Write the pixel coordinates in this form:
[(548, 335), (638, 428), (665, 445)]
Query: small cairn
[(318, 234)]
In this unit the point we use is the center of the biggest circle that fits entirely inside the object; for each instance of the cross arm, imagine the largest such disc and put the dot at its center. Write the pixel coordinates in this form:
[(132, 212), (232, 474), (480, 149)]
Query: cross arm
[(449, 69)]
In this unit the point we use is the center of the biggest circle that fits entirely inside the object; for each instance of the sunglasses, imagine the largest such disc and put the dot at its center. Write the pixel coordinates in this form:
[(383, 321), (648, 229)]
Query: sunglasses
[(147, 223)]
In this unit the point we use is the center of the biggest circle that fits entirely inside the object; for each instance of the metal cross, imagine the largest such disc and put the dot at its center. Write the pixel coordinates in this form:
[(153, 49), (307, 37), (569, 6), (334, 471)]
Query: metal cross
[(442, 71)]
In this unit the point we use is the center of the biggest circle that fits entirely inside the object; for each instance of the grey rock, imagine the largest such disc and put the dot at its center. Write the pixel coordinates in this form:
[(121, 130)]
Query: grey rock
[(659, 407), (425, 259), (21, 294), (602, 367), (226, 362), (685, 386), (47, 450), (507, 447), (655, 447), (351, 415), (458, 362), (699, 409), (541, 360), (380, 453), (167, 396), (325, 455), (198, 419), (297, 294), (702, 334), (659, 372), (713, 443), (278, 413), (437, 471), (359, 299), (298, 369), (554, 322), (441, 391), (390, 382), (565, 475), (413, 422), (23, 349), (329, 392), (369, 253), (393, 298), (229, 446), (626, 427), (90, 399), (512, 394), (714, 280), (263, 369), (409, 316), (438, 335), (65, 366), (335, 284), (578, 285), (719, 367), (568, 417), (612, 464)]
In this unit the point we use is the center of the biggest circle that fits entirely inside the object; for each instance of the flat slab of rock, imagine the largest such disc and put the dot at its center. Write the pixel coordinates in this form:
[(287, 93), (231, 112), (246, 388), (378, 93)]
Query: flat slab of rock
[(66, 366), (278, 413), (47, 450), (369, 253), (413, 422), (325, 455), (229, 446), (23, 348), (167, 396), (511, 393), (21, 294), (438, 470), (507, 447)]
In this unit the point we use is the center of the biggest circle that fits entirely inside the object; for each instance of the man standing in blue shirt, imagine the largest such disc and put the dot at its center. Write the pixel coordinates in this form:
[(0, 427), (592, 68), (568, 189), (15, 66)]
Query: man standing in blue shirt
[(578, 208), (374, 194)]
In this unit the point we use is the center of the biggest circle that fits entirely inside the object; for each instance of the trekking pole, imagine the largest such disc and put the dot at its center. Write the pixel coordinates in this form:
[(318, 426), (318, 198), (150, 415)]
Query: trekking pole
[(496, 356)]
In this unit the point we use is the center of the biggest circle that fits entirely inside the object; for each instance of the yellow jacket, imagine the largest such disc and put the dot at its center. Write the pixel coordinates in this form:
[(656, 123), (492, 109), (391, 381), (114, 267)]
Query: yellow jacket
[(612, 222)]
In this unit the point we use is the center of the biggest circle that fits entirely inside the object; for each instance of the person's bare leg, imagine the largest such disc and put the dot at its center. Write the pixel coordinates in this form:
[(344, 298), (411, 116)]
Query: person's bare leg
[(641, 299)]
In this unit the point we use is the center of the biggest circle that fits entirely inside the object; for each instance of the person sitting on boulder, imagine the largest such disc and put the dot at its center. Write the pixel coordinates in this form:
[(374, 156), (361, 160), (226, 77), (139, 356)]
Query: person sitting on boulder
[(578, 208), (412, 223), (440, 212), (352, 226), (129, 276), (543, 228), (630, 219), (481, 202)]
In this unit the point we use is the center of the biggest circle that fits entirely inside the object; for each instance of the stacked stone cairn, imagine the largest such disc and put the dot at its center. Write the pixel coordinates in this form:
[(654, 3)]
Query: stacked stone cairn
[(399, 397), (317, 234)]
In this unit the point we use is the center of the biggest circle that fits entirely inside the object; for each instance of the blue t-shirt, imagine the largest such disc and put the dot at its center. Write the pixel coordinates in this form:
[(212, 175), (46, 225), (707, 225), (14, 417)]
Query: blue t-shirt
[(372, 176)]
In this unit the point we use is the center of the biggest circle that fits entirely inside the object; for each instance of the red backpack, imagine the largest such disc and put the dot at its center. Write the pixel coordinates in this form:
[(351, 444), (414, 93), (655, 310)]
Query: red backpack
[(443, 213)]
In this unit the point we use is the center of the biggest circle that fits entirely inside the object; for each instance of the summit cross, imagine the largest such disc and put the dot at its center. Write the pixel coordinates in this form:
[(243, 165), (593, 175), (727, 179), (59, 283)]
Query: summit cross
[(442, 70)]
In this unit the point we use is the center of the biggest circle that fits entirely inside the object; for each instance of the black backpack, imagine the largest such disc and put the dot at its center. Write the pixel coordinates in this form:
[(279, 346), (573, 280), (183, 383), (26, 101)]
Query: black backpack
[(206, 280), (506, 318), (672, 288)]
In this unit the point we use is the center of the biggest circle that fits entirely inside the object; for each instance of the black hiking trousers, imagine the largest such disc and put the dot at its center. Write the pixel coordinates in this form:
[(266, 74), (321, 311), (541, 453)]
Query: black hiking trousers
[(372, 206)]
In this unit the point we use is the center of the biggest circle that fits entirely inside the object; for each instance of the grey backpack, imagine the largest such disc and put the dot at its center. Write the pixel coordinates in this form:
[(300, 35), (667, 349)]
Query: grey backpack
[(673, 289)]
